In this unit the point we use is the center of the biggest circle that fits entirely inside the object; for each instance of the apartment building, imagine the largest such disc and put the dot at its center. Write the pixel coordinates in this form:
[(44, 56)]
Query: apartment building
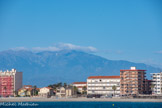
[(132, 81), (102, 85), (10, 81), (80, 86), (157, 83)]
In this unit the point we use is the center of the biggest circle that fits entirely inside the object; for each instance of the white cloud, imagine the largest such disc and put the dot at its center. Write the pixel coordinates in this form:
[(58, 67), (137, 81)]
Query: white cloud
[(67, 46), (159, 52), (38, 49), (59, 47), (19, 48)]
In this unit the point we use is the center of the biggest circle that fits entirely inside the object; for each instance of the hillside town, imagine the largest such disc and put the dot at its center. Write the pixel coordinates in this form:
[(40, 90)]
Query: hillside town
[(130, 83)]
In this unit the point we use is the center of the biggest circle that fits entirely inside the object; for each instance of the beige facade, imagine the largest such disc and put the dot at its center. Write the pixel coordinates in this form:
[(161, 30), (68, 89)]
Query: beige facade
[(132, 81), (45, 92), (64, 91)]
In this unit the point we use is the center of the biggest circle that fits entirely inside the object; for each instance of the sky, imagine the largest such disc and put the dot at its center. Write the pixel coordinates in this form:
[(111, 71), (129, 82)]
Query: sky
[(115, 29)]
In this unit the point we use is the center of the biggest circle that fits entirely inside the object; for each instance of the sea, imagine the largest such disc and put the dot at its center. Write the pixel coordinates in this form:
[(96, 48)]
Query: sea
[(81, 104)]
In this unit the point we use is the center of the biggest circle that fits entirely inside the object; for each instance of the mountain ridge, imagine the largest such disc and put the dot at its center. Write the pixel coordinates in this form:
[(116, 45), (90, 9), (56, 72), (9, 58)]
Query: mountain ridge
[(48, 67)]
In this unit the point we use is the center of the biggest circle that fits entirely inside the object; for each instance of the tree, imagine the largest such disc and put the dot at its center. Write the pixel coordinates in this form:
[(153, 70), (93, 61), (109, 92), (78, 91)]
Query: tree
[(59, 84), (5, 88), (152, 87), (64, 85), (114, 88), (15, 93), (84, 90), (26, 92), (75, 90), (34, 90)]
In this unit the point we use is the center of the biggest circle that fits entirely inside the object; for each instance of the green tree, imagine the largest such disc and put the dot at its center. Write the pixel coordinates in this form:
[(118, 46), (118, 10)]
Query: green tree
[(15, 93), (65, 85), (84, 90), (34, 90), (152, 87), (26, 92), (75, 89), (114, 88), (5, 88)]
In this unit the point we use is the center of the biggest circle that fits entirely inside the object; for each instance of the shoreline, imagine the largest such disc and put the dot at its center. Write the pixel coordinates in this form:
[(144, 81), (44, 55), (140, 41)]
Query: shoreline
[(31, 99)]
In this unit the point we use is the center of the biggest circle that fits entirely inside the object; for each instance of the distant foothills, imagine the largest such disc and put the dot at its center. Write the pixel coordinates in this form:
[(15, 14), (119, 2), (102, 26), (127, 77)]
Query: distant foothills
[(68, 66)]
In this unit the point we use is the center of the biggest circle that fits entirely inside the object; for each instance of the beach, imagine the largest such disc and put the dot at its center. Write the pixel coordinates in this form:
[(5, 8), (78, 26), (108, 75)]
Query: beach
[(40, 99)]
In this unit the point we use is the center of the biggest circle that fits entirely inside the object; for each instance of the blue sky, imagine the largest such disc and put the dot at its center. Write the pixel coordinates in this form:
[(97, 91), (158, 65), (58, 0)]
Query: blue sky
[(119, 29)]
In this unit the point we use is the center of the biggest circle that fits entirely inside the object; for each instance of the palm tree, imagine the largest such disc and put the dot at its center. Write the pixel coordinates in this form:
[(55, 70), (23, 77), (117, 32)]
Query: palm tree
[(152, 87), (5, 88), (26, 92), (114, 88), (64, 85), (15, 93), (75, 90), (34, 89), (84, 89), (59, 84)]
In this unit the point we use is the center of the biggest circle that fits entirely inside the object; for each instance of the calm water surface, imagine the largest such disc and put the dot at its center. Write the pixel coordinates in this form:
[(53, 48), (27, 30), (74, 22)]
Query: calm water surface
[(81, 104)]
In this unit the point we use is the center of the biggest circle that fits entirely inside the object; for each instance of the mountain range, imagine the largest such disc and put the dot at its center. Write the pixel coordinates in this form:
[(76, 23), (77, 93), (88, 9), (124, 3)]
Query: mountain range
[(49, 67)]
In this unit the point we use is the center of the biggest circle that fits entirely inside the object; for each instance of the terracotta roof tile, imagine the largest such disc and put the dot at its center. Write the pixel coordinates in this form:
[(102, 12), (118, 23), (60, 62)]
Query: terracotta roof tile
[(103, 77), (79, 82)]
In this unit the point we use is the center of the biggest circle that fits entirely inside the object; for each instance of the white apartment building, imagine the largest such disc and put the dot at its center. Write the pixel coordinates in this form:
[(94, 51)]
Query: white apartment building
[(10, 81), (157, 82), (103, 85)]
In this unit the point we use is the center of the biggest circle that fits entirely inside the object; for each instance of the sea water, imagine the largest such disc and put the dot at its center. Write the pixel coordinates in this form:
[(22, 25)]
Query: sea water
[(81, 104)]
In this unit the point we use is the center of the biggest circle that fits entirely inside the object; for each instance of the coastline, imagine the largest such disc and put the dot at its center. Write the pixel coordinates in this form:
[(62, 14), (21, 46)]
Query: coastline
[(31, 99)]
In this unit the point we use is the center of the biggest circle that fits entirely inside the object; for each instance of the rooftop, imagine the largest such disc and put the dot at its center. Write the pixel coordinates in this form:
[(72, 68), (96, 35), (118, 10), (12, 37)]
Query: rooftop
[(79, 82), (103, 77)]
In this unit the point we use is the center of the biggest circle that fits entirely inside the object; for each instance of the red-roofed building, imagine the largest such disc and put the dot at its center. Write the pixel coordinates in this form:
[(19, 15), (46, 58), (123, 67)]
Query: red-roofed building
[(102, 85), (46, 92), (80, 86)]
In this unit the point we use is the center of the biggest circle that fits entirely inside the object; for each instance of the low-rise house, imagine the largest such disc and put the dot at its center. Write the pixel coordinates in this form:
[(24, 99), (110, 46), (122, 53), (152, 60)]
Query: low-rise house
[(61, 92), (46, 92), (69, 91), (64, 91), (23, 92), (81, 86)]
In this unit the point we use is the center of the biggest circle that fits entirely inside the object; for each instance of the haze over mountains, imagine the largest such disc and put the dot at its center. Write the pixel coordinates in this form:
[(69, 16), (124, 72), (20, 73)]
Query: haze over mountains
[(48, 67)]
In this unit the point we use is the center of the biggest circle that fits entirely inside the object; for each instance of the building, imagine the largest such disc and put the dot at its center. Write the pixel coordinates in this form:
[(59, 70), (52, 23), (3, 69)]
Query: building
[(10, 82), (61, 92), (157, 83), (28, 91), (45, 92), (132, 81), (102, 85), (25, 92), (80, 86), (64, 91)]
